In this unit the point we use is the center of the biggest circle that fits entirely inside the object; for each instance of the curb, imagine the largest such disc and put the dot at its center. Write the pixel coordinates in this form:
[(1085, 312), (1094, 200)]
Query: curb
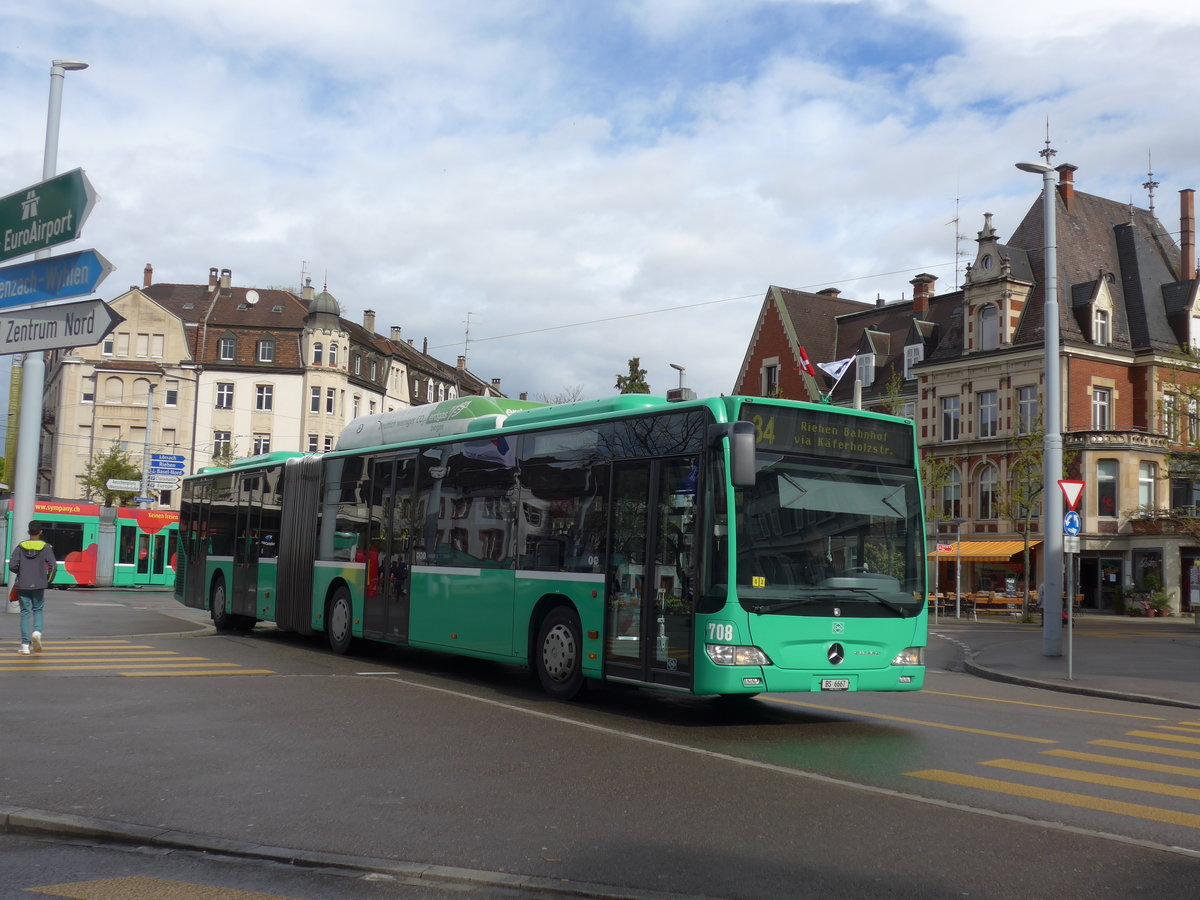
[(34, 822), (980, 671)]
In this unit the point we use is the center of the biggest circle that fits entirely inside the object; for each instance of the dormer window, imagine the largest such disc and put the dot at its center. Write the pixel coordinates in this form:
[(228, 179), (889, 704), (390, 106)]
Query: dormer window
[(989, 327), (913, 354), (864, 368), (1101, 334)]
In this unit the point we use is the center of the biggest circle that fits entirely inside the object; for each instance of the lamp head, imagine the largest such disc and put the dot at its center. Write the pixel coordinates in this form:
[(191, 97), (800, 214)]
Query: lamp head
[(1036, 168), (69, 65)]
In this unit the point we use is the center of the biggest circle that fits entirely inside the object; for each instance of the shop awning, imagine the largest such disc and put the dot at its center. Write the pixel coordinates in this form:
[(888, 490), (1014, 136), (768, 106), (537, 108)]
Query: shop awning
[(982, 551)]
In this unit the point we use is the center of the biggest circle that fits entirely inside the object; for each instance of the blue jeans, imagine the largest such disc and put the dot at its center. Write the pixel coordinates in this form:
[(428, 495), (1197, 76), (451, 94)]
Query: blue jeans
[(31, 607)]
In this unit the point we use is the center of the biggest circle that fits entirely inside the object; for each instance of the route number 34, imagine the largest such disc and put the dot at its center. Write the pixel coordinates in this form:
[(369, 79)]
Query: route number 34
[(720, 631)]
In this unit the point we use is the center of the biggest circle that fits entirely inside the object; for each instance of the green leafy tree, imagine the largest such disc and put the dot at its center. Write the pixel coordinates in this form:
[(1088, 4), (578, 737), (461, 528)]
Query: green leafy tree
[(635, 381), (113, 463), (226, 457)]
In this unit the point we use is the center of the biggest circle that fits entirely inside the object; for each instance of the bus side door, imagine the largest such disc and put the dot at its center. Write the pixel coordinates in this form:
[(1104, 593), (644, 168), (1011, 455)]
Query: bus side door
[(389, 546)]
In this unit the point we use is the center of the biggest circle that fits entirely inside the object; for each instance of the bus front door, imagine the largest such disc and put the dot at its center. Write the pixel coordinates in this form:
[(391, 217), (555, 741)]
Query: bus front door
[(651, 572)]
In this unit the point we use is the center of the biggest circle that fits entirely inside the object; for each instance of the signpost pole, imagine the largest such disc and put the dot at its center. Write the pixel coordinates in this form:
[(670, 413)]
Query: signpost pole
[(33, 379)]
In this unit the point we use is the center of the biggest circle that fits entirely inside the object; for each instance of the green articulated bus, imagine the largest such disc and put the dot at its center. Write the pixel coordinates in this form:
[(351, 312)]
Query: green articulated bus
[(727, 546)]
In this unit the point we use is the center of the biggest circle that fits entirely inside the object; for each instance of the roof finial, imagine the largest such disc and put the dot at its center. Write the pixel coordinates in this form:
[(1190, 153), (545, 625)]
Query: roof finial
[(1047, 154), (1151, 184)]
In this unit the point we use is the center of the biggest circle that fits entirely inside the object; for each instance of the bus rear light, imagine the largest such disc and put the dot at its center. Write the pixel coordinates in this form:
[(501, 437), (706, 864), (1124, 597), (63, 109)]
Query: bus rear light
[(733, 655), (913, 656)]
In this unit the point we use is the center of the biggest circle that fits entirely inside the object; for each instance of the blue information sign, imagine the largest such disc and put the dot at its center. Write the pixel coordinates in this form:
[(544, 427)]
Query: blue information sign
[(1072, 524)]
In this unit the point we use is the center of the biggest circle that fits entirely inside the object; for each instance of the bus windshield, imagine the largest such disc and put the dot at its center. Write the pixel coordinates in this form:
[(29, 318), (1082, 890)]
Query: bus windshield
[(833, 537)]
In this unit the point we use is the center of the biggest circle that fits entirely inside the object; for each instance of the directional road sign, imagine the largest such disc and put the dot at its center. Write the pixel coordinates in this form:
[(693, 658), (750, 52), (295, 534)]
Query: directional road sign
[(45, 214), (165, 472), (82, 324), (1072, 524), (166, 457), (162, 484), (123, 484), (54, 278), (166, 463)]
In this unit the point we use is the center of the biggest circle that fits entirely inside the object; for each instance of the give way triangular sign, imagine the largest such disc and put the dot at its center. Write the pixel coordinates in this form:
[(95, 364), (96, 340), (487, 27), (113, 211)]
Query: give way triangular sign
[(1072, 490)]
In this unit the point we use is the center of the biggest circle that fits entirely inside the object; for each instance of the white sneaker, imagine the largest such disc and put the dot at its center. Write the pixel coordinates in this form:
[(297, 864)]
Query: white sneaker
[(37, 641), (23, 650)]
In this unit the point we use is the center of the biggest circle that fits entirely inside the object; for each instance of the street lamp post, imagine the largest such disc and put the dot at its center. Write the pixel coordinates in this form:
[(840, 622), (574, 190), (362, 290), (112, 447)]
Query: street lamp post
[(33, 376), (1052, 513), (680, 369)]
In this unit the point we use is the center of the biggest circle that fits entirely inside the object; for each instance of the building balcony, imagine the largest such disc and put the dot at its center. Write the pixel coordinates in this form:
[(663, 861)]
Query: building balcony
[(1131, 439)]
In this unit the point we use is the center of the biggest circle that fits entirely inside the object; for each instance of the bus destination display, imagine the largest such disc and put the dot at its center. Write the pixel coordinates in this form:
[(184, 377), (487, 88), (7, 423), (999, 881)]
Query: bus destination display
[(816, 432)]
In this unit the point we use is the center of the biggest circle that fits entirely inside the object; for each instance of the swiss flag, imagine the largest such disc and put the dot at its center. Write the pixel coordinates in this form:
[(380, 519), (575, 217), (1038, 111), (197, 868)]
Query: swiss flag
[(805, 365)]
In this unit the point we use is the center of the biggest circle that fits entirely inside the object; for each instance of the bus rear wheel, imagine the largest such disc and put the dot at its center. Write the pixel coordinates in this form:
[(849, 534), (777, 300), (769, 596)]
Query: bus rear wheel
[(558, 654), (223, 620), (339, 618)]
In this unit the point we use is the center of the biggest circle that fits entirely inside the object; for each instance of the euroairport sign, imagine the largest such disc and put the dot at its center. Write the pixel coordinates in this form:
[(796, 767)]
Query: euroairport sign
[(82, 324), (54, 278), (45, 214)]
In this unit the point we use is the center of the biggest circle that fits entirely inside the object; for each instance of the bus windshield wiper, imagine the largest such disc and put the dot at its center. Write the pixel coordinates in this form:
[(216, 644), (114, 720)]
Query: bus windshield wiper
[(874, 595), (786, 604)]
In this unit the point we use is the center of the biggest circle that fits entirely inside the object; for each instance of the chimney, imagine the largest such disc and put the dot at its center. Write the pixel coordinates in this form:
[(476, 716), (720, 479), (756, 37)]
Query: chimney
[(1187, 237), (1066, 183), (369, 320), (307, 293), (148, 275), (226, 278), (425, 346), (524, 395), (212, 278), (829, 292), (396, 333), (462, 362), (496, 385), (922, 291), (879, 301)]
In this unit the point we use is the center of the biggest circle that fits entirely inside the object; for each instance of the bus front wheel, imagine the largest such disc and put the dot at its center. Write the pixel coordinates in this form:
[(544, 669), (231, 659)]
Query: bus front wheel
[(558, 654), (338, 620)]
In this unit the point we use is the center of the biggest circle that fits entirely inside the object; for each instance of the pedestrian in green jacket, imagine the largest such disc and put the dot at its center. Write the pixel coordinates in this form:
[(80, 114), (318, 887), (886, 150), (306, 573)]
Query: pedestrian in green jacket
[(34, 564)]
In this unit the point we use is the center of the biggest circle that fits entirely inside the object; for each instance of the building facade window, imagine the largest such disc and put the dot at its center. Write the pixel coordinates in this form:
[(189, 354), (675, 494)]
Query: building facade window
[(357, 364), (333, 354), (314, 400), (770, 383), (171, 394), (142, 345), (264, 397), (950, 420), (328, 443), (262, 444), (226, 349), (312, 443), (1101, 409), (114, 390), (989, 413), (1106, 488), (222, 445), (989, 479), (909, 409), (1147, 479), (108, 345), (266, 350), (952, 496), (224, 395), (1170, 417), (1028, 417), (989, 328), (88, 389), (354, 403), (330, 400), (318, 353)]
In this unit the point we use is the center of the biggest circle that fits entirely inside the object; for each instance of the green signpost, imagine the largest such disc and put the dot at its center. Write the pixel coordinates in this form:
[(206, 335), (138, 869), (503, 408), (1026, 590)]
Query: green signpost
[(45, 214)]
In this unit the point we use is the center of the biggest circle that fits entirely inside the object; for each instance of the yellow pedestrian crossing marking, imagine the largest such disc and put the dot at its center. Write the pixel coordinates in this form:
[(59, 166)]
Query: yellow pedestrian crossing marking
[(122, 658), (1101, 777), (146, 886)]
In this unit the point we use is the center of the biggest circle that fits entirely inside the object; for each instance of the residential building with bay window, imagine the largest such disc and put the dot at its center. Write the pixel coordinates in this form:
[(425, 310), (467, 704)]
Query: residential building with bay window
[(968, 367)]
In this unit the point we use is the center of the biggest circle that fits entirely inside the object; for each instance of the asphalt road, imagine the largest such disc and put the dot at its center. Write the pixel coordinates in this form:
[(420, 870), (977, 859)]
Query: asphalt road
[(136, 715)]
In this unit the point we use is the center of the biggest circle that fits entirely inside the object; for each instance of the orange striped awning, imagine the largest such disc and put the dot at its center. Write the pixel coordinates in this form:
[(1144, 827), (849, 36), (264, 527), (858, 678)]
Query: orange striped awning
[(983, 551)]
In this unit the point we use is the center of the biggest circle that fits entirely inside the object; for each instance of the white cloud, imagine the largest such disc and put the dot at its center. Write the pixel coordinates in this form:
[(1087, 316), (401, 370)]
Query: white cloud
[(539, 164)]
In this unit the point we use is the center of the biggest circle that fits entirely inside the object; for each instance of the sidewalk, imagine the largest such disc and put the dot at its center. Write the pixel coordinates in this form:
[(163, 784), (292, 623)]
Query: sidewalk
[(1143, 660)]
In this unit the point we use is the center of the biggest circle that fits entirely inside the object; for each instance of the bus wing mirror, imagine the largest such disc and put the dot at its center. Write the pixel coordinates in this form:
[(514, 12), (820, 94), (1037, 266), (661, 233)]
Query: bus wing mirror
[(741, 450)]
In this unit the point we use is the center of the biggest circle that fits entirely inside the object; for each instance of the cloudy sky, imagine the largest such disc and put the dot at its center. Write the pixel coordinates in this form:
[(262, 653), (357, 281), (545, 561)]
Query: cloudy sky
[(587, 181)]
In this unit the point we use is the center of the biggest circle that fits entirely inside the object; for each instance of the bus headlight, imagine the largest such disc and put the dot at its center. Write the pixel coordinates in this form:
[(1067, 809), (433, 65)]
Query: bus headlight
[(913, 656), (732, 655)]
